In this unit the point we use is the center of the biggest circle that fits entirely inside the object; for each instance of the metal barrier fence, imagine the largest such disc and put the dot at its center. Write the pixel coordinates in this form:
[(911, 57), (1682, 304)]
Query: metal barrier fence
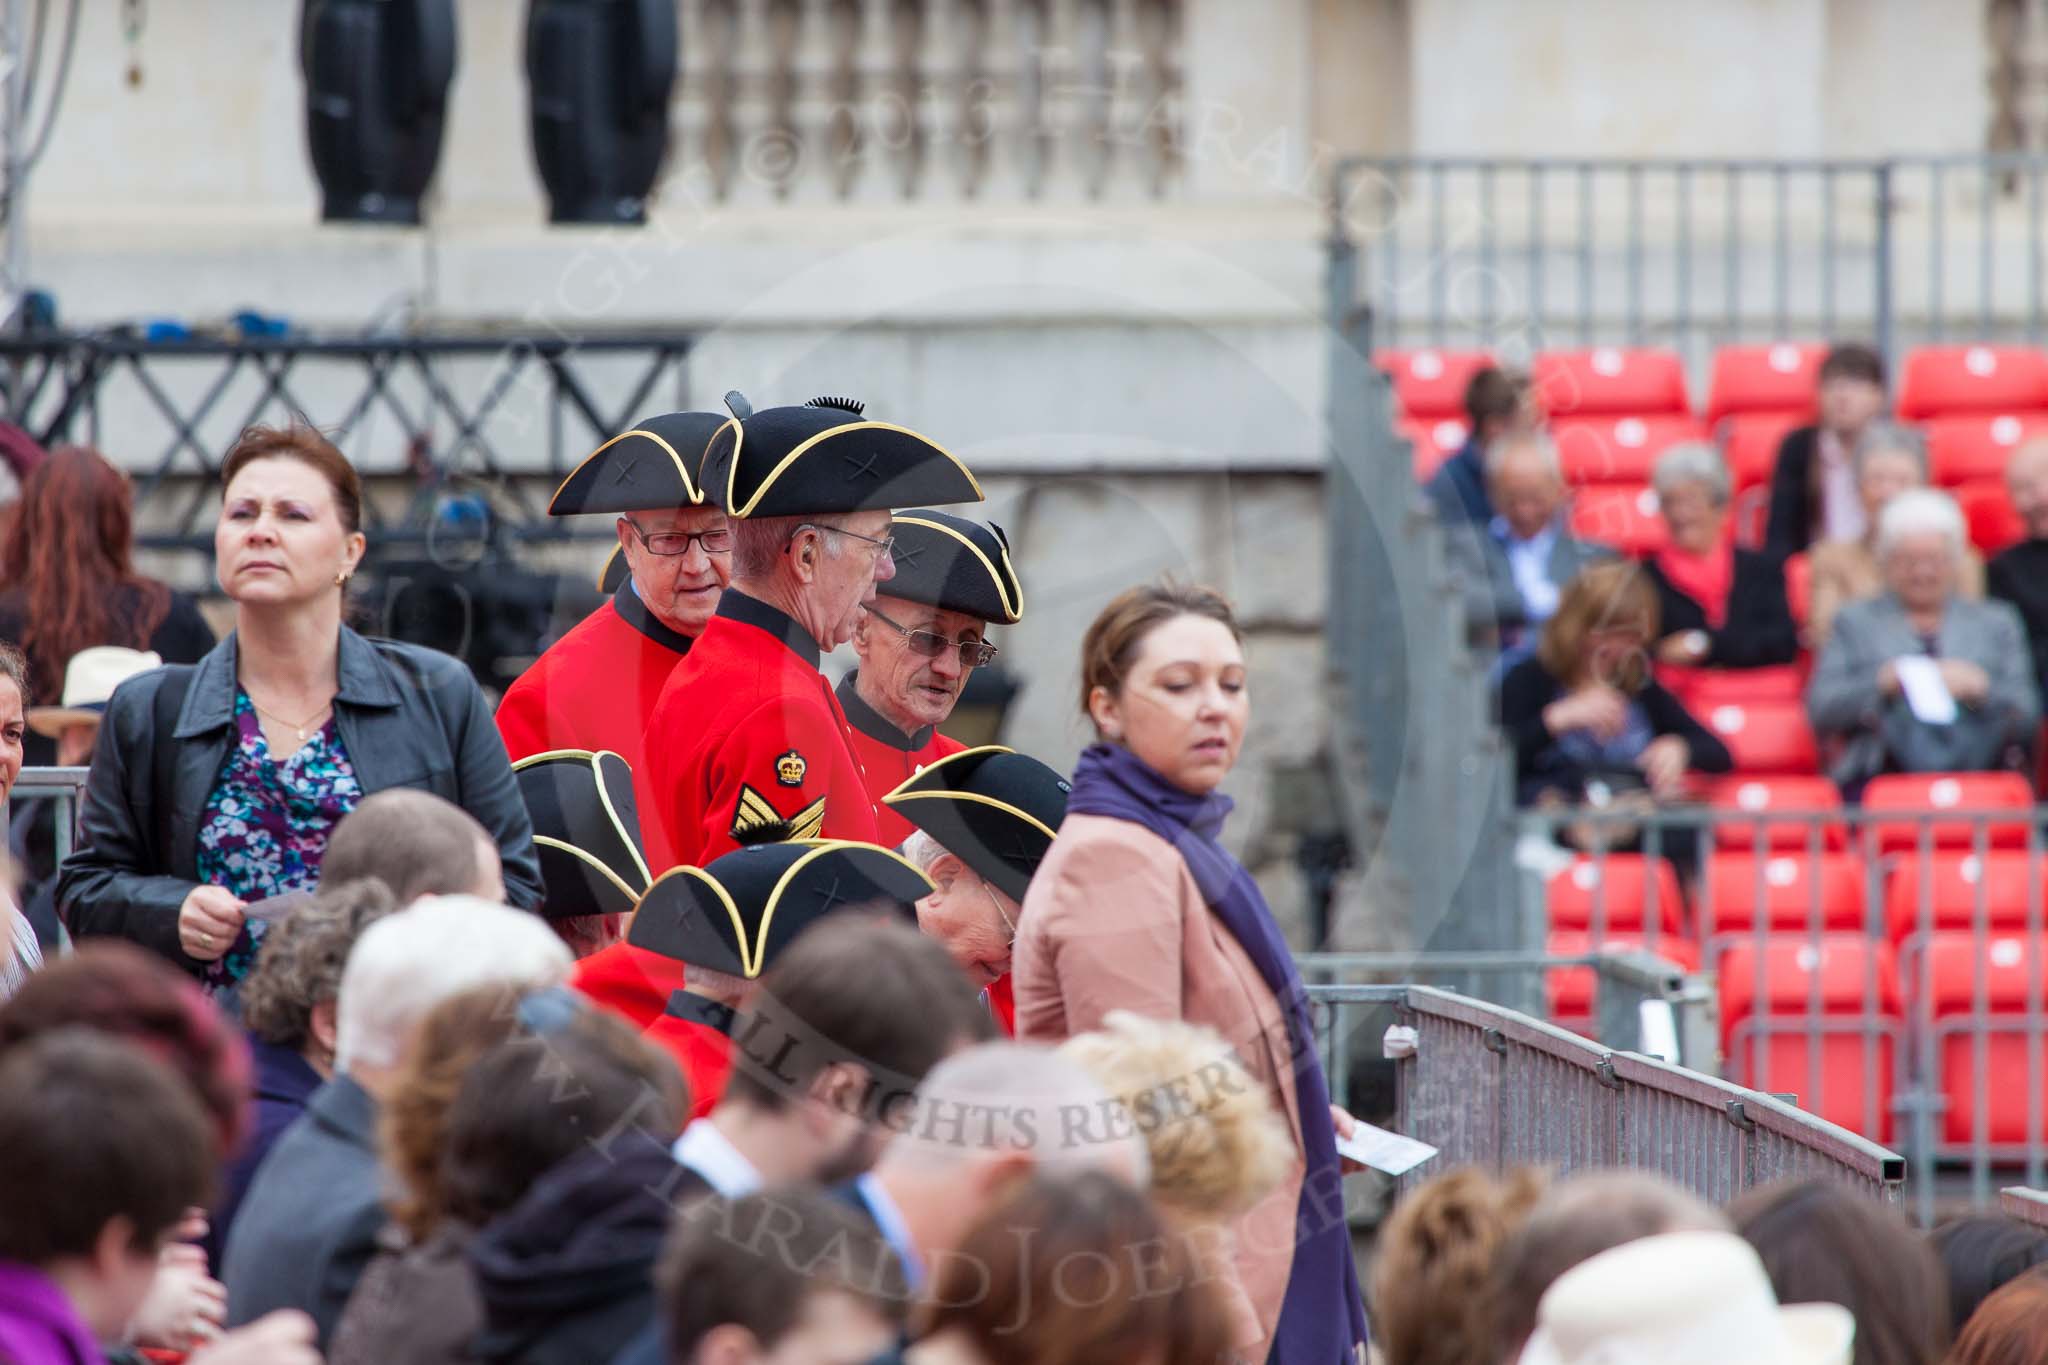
[(1493, 1087), (1527, 254), (64, 788), (2025, 1206)]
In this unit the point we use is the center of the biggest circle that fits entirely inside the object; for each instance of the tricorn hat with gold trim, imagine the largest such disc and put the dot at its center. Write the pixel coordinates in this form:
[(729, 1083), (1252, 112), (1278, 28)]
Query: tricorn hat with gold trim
[(650, 467), (738, 914), (955, 564), (992, 808), (586, 831), (824, 457)]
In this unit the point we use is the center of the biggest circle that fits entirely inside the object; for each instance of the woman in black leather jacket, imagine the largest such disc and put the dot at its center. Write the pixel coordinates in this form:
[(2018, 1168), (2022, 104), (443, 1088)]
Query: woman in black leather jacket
[(214, 786)]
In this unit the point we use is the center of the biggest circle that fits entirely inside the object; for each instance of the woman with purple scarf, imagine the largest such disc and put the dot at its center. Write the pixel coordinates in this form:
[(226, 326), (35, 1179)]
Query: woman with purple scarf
[(1138, 907)]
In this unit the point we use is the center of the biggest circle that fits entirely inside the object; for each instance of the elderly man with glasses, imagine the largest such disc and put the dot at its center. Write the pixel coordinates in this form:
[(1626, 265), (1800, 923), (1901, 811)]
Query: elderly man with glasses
[(595, 687), (926, 630)]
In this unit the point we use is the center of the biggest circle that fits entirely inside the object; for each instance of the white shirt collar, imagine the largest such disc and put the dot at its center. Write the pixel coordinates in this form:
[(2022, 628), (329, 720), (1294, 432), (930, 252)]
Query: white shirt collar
[(711, 1154), (896, 1232)]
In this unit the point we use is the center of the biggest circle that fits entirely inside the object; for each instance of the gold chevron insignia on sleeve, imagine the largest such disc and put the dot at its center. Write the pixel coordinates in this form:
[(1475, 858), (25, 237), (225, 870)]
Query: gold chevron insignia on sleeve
[(756, 821)]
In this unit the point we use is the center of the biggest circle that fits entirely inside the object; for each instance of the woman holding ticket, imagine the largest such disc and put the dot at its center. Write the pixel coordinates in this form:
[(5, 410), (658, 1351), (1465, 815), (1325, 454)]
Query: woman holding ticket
[(1138, 907), (1920, 679)]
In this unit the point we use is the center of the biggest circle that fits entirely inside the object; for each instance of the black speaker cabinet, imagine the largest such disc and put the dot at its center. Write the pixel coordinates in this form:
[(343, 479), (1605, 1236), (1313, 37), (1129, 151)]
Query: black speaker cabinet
[(377, 76), (599, 73)]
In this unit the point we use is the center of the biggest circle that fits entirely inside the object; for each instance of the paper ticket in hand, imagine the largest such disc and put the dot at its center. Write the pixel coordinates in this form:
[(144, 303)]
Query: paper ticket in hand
[(1926, 690), (1384, 1151)]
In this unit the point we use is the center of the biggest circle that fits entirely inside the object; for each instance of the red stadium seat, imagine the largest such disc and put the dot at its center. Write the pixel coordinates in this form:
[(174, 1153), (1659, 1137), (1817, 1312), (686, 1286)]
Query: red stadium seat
[(1434, 440), (1611, 379), (1920, 792), (1975, 447), (1988, 509), (1844, 988), (1569, 991), (2015, 1003), (1782, 376), (1950, 881), (1613, 893), (1794, 891), (1787, 796), (1619, 515), (1431, 382), (1619, 449), (1764, 736), (1799, 588), (1716, 686), (1945, 379), (1750, 441)]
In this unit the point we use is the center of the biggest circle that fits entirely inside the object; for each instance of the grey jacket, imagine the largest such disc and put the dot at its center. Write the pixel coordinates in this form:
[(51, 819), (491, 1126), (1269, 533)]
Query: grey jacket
[(1492, 601), (408, 716), (1842, 699)]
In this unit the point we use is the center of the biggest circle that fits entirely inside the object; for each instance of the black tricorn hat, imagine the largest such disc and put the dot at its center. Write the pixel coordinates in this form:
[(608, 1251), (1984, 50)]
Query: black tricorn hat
[(992, 808), (823, 458), (650, 467), (738, 914), (955, 564), (586, 831)]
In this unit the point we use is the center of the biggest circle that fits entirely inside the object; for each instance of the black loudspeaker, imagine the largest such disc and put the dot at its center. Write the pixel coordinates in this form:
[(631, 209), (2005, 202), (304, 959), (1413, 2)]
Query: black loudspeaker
[(377, 76), (598, 75)]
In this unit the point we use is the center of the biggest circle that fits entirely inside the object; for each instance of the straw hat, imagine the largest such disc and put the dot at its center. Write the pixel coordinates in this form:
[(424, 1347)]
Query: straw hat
[(1683, 1298), (89, 679)]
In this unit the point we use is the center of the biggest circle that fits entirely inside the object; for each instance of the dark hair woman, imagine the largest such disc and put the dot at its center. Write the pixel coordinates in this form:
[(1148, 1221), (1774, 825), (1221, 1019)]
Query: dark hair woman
[(1139, 907), (216, 785)]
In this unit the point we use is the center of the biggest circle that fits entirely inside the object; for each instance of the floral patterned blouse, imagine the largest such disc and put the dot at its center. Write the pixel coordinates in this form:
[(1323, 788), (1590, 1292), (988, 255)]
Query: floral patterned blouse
[(265, 825)]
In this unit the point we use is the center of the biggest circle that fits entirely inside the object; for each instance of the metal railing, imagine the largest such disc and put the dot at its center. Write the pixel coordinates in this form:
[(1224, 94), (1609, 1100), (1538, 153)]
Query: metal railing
[(1490, 1086), (64, 788), (2025, 1206)]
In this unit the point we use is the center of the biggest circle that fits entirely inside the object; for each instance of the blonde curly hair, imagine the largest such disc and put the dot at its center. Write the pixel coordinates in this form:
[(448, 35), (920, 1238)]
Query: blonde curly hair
[(1217, 1144)]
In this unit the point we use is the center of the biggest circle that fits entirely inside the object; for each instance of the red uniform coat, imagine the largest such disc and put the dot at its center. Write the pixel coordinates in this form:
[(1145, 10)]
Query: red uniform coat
[(888, 756), (630, 982), (595, 687), (696, 1031), (1001, 1000), (748, 745)]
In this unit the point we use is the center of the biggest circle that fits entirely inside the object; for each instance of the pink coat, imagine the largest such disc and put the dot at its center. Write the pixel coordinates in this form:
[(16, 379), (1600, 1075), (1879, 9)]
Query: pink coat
[(1113, 920)]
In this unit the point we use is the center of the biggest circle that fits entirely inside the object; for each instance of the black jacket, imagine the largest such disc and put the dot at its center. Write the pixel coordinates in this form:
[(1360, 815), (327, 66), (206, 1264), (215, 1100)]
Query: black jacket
[(408, 716), (567, 1277), (1794, 521), (1757, 629), (1540, 763), (2020, 576)]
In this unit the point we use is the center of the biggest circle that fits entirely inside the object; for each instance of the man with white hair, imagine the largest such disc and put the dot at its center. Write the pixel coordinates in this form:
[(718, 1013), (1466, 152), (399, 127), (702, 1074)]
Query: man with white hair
[(312, 1215), (984, 1119), (1517, 564)]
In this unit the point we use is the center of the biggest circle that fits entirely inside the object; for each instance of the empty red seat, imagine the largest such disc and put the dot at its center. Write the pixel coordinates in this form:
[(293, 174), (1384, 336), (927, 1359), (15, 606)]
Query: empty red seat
[(1841, 989), (1784, 890), (1950, 882), (1611, 379), (1431, 382), (1975, 447), (1781, 376), (1928, 792), (1750, 441), (1613, 894), (1619, 515), (1944, 379), (1434, 440), (1605, 449), (1773, 682), (1763, 736), (1988, 510), (1788, 797), (2015, 1003), (1569, 991)]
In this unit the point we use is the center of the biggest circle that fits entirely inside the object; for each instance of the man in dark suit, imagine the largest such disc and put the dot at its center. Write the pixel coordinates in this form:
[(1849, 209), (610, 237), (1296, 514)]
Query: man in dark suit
[(1813, 486), (1516, 566), (1497, 401)]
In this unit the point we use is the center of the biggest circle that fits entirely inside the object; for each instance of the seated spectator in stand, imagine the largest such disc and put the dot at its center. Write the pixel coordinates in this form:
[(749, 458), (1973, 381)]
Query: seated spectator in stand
[(1889, 461), (1720, 606), (102, 1153), (1813, 485), (1857, 700), (1587, 719), (1215, 1150), (1050, 1277), (1822, 1242), (2019, 575), (1433, 1275), (1575, 1220), (499, 1088), (288, 1009), (2010, 1328), (785, 1276), (219, 785), (1497, 402), (1981, 1255), (1517, 568), (311, 1218), (417, 845)]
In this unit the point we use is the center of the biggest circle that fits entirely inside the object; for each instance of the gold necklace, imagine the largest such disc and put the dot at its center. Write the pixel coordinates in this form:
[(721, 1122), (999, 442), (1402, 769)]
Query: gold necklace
[(298, 726)]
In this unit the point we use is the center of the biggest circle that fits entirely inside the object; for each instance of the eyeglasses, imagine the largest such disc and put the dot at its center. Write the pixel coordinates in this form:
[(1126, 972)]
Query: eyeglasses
[(883, 547), (973, 653), (669, 543), (1008, 923)]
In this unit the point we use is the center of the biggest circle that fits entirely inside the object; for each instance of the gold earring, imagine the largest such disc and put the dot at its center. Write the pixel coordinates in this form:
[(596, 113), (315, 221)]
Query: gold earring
[(341, 579)]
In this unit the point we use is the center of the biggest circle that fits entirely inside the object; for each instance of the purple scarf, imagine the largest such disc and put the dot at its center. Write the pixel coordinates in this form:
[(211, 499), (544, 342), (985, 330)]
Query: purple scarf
[(1322, 1319), (38, 1325)]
